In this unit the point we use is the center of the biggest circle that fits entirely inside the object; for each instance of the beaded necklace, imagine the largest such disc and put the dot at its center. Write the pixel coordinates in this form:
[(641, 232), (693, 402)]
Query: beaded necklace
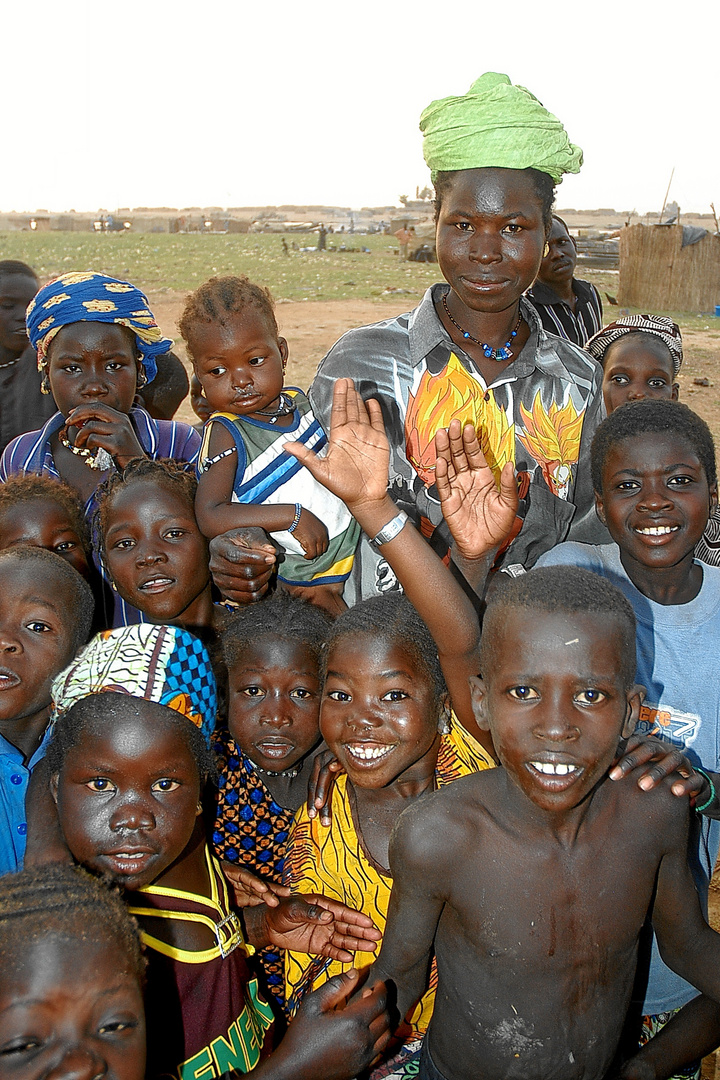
[(492, 354)]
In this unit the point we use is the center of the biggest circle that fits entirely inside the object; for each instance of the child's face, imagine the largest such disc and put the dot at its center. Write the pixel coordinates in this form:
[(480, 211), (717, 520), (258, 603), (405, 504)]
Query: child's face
[(16, 292), (274, 703), (155, 552), (35, 633), (71, 1010), (555, 702), (198, 400), (127, 796), (634, 369), (655, 499), (43, 523), (90, 362), (240, 366), (379, 714)]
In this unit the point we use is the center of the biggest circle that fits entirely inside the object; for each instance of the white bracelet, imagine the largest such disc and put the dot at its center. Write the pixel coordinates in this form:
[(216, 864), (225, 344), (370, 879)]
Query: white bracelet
[(391, 530)]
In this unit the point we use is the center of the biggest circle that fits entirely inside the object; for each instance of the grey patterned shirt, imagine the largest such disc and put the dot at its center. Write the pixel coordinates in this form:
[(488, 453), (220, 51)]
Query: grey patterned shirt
[(541, 412)]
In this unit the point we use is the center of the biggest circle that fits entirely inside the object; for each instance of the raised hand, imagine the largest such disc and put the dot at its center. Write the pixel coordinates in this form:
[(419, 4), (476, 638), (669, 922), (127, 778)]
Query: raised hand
[(315, 924), (478, 515), (355, 467)]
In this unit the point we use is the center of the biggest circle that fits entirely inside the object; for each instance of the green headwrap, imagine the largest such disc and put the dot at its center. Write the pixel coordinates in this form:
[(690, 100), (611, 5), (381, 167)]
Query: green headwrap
[(496, 125)]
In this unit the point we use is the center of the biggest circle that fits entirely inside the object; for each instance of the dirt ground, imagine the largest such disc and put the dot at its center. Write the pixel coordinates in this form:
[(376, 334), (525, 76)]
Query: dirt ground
[(311, 327)]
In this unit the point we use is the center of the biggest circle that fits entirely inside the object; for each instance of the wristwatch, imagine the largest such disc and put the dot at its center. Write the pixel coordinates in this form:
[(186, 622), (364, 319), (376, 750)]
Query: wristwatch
[(391, 530)]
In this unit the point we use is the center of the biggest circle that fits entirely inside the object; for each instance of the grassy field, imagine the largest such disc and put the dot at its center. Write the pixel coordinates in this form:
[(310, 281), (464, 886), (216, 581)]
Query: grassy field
[(160, 260)]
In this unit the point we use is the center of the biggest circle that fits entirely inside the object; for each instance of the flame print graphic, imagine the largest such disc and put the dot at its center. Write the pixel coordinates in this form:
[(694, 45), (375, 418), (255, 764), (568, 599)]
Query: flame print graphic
[(450, 394), (552, 437)]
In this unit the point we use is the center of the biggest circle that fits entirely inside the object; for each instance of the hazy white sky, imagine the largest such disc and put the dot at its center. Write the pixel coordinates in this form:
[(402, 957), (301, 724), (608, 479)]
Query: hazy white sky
[(232, 103)]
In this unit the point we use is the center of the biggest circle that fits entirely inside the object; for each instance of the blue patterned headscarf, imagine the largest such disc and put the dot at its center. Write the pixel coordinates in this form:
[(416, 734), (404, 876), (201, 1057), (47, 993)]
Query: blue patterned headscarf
[(90, 297), (164, 664)]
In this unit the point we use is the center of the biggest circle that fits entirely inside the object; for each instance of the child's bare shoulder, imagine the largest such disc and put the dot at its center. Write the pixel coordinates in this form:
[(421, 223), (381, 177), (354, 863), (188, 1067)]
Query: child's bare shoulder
[(657, 811), (435, 826)]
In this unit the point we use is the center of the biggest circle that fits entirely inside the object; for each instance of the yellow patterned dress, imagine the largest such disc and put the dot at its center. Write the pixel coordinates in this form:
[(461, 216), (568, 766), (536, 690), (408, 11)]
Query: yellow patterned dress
[(333, 861)]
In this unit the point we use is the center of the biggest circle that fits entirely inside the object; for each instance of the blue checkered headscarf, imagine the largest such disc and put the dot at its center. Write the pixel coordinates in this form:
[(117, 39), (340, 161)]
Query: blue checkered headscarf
[(164, 664), (90, 297)]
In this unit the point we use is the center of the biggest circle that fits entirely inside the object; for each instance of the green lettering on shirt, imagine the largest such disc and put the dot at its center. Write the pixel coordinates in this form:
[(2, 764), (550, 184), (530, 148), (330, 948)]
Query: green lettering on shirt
[(198, 1067)]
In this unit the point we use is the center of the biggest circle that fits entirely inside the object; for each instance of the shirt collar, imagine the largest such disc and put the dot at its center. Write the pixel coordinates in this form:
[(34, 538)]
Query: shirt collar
[(545, 294)]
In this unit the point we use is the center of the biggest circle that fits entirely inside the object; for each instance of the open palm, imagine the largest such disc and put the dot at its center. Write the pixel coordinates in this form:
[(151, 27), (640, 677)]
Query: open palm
[(478, 515), (355, 467)]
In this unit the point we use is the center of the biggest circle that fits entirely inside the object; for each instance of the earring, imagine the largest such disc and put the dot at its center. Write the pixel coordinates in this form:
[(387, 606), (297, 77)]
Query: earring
[(141, 375), (45, 385), (444, 721), (546, 250)]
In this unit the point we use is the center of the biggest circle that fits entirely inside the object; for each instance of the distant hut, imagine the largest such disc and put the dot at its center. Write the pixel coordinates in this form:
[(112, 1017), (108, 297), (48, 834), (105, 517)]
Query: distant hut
[(658, 273)]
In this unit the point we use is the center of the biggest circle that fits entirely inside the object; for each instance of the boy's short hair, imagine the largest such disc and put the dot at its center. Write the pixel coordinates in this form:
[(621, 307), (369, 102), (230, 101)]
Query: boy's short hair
[(81, 606), (166, 393), (65, 902), (282, 616), (565, 590), (652, 417), (22, 487), (220, 298), (393, 618), (8, 267), (96, 711)]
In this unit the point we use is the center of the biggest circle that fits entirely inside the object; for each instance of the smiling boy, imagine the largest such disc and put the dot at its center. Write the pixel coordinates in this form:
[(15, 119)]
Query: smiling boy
[(654, 473), (532, 882)]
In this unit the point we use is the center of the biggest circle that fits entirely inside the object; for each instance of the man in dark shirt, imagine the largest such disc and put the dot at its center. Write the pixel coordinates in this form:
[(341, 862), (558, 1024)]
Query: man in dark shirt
[(567, 307), (22, 406)]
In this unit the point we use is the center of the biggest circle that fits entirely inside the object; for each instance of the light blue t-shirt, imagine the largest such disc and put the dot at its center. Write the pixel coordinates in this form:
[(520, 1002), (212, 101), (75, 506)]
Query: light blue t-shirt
[(677, 662), (14, 779)]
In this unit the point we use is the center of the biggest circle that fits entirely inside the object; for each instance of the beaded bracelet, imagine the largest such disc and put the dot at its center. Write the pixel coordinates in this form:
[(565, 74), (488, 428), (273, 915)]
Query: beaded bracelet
[(296, 519), (705, 805)]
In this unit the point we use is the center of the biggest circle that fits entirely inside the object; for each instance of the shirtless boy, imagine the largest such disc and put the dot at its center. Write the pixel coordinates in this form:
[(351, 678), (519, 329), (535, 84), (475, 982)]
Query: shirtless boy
[(532, 881)]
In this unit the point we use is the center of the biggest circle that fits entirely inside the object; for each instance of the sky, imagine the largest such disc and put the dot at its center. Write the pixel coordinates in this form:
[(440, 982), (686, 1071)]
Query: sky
[(232, 103)]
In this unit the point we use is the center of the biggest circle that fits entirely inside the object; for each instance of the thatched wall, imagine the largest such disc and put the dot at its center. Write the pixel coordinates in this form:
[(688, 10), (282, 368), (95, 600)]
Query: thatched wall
[(658, 274)]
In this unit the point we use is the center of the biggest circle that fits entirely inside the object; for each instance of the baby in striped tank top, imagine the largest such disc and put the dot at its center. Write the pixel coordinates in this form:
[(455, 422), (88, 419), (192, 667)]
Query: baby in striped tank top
[(246, 475)]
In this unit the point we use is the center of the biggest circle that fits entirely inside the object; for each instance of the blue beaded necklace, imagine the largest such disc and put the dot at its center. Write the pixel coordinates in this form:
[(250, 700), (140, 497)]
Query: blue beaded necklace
[(492, 354)]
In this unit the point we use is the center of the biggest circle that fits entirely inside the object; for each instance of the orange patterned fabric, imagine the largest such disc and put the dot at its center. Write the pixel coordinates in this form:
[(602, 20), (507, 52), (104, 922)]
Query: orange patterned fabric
[(333, 861)]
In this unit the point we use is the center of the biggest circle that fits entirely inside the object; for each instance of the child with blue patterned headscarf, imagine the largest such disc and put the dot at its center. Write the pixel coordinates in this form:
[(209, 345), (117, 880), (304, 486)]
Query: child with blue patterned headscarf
[(97, 343)]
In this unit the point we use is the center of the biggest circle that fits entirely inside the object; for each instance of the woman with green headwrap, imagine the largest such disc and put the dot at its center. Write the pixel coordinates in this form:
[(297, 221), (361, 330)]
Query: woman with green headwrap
[(474, 349)]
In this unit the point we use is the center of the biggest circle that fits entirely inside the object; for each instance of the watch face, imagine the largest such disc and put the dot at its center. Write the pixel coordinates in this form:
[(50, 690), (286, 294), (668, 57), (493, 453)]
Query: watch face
[(390, 531)]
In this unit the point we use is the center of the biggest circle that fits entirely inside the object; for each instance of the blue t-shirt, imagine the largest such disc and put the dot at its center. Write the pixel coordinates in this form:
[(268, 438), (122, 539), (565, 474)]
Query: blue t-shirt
[(677, 650), (14, 778)]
